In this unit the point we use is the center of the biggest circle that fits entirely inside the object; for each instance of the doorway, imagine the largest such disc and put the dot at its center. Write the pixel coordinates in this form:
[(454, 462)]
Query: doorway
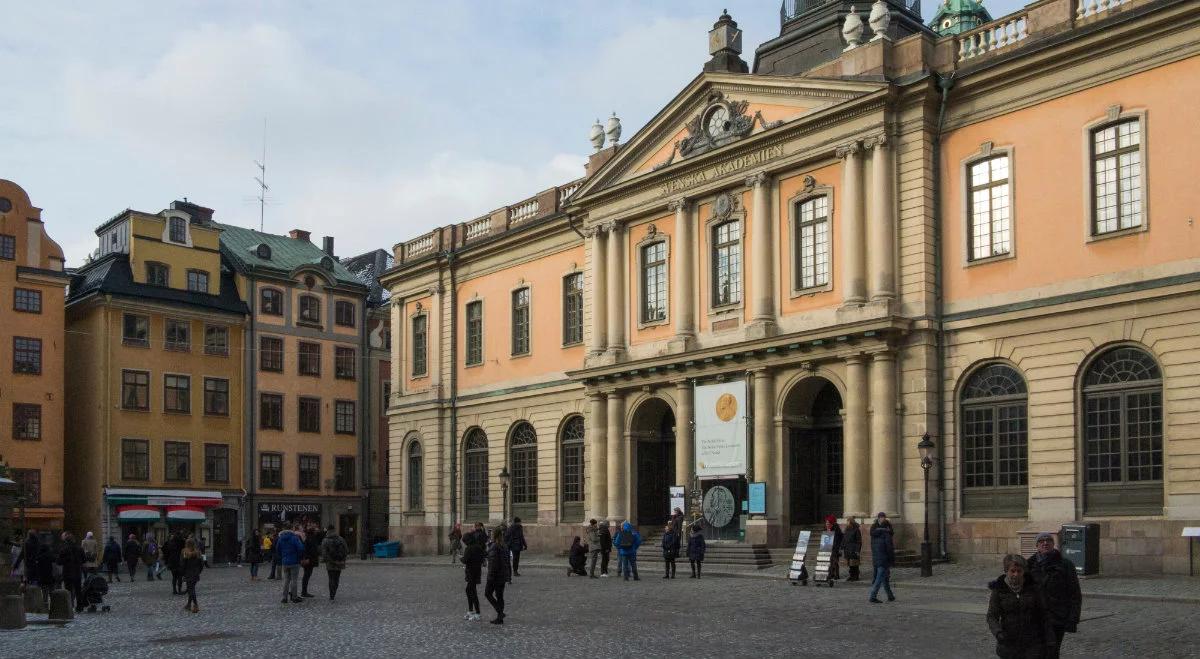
[(815, 462), (653, 435), (348, 529), (225, 540)]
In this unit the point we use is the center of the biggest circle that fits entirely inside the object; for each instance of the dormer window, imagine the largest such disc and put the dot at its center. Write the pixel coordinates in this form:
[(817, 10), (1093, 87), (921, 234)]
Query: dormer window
[(178, 230), (327, 263), (310, 309), (263, 252)]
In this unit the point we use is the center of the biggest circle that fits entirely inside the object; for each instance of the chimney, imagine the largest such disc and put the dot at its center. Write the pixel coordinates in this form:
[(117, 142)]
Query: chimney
[(298, 234), (198, 213), (327, 245)]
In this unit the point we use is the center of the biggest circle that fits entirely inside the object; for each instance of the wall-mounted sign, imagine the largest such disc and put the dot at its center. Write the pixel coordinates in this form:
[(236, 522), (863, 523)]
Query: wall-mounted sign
[(677, 499), (758, 499), (309, 508), (721, 429), (165, 501)]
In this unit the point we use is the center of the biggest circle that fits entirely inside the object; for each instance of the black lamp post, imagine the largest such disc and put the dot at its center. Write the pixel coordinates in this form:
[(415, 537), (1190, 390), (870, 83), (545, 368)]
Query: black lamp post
[(504, 477), (926, 450)]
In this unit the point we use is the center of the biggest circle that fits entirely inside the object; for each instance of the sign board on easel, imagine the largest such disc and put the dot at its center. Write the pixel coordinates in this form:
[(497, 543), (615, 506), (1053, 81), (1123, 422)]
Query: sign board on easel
[(797, 573), (824, 558), (677, 499)]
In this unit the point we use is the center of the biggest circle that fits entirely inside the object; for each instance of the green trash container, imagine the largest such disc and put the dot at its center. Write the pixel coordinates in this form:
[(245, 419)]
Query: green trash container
[(1081, 544)]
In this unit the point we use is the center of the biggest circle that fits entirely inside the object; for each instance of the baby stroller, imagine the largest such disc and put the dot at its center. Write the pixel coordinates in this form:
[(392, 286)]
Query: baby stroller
[(94, 590)]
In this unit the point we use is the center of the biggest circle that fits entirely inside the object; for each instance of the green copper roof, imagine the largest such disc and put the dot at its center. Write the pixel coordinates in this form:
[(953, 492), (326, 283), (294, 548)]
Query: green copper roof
[(240, 246), (957, 16)]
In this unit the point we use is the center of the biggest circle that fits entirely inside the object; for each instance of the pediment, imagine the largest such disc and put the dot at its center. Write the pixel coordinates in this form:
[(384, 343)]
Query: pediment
[(717, 110)]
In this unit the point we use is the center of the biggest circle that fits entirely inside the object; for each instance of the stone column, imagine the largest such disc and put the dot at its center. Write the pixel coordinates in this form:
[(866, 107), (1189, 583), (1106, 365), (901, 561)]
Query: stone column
[(599, 341), (685, 435), (616, 457), (884, 439), (598, 459), (883, 223), (762, 289), (853, 251), (765, 529), (617, 298), (683, 287), (855, 452), (433, 338), (399, 344)]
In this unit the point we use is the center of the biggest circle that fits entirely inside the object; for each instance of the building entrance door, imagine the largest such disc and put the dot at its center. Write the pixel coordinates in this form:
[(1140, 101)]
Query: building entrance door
[(653, 431), (224, 540), (816, 474), (348, 529)]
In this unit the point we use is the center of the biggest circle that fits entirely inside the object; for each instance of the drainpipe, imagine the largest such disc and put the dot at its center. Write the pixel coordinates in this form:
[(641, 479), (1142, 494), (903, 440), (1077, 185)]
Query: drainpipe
[(944, 84), (249, 415), (364, 443), (453, 352)]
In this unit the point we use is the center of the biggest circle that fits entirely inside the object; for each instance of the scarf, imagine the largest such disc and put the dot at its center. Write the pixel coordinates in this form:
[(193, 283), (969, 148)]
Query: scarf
[(1014, 584)]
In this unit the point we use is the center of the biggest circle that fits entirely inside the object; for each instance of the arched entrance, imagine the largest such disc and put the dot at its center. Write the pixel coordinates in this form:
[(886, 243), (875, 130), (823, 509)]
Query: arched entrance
[(812, 414), (652, 435)]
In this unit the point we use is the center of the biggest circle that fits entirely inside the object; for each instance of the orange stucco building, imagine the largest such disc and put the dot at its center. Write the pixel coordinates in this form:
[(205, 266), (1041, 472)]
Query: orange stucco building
[(32, 288), (799, 268)]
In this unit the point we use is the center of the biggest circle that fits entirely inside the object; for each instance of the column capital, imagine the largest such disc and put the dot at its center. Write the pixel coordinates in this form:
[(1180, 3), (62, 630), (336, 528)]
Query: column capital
[(615, 228), (685, 383), (877, 140), (846, 150), (856, 358), (755, 180), (760, 372), (596, 395), (882, 355), (679, 203)]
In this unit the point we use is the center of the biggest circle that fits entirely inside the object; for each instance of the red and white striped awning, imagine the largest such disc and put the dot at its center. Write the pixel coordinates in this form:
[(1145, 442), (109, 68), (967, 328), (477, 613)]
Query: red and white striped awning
[(138, 513), (184, 514)]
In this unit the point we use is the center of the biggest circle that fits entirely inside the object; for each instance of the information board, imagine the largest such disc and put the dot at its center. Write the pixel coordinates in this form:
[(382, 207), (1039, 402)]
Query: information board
[(824, 556), (677, 499), (796, 571), (758, 499), (721, 429)]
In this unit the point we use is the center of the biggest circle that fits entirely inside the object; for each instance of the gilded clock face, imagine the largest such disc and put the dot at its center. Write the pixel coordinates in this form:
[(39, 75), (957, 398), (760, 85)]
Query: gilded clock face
[(726, 407), (718, 121)]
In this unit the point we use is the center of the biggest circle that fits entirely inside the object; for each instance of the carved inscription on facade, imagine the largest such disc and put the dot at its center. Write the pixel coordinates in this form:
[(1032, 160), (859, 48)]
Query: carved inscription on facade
[(721, 169)]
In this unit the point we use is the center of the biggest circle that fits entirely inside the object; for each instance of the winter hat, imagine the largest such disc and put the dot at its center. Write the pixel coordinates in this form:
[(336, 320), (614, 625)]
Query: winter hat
[(1045, 536), (880, 514)]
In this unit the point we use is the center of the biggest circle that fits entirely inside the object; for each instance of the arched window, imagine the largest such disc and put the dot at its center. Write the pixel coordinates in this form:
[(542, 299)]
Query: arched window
[(1122, 434), (523, 461), (414, 476), (994, 431), (475, 475), (572, 470)]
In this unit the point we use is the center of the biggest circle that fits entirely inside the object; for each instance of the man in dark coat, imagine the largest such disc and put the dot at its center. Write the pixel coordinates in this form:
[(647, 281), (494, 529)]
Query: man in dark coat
[(1059, 583), (312, 557), (70, 557), (883, 556), (29, 556), (1017, 614), (605, 548), (133, 554), (515, 539), (172, 550)]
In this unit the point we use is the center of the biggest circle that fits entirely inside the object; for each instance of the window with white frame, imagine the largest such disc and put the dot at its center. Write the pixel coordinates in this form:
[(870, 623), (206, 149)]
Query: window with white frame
[(654, 282), (727, 263), (812, 242), (1117, 176), (989, 204)]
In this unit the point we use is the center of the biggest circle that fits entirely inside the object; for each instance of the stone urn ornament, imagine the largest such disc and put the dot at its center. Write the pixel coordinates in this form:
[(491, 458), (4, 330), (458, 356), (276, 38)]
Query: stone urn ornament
[(852, 30), (612, 130), (880, 19), (597, 136)]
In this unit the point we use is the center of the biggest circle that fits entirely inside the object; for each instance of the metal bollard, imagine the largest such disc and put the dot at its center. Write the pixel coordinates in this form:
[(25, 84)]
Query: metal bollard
[(60, 606), (34, 602), (12, 612)]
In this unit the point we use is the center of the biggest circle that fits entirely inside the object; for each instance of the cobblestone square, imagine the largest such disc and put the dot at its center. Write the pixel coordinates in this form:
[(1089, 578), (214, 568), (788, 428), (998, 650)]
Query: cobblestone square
[(399, 610)]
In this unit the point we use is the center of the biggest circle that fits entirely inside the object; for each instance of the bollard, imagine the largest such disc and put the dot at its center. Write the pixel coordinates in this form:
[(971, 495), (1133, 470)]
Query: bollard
[(60, 606), (34, 602), (12, 612)]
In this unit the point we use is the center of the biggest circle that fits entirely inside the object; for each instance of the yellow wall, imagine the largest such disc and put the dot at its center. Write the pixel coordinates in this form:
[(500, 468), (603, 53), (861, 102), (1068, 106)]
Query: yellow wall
[(636, 238), (147, 246), (789, 187)]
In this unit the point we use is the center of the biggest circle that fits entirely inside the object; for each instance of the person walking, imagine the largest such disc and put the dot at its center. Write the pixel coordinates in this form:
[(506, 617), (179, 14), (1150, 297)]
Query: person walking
[(627, 541), (1017, 614), (29, 556), (173, 555), (593, 537), (577, 558), (1056, 577), (852, 546), (254, 553), (91, 553), (334, 551), (499, 569), (515, 538), (883, 556), (150, 556), (271, 544), (312, 557), (45, 570), (670, 550), (606, 545), (291, 550), (472, 560), (456, 536), (695, 548), (112, 559), (133, 554), (70, 557), (836, 555), (191, 564)]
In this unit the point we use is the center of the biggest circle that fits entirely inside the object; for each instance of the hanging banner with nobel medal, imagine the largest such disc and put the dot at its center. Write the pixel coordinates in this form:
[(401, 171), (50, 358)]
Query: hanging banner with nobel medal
[(721, 429)]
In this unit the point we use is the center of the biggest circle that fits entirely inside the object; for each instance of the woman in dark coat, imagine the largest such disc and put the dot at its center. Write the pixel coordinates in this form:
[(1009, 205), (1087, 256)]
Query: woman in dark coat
[(192, 565), (254, 553), (695, 549), (670, 550), (472, 558), (515, 537), (499, 573), (852, 546), (1017, 614), (133, 554), (835, 557), (45, 571), (577, 558), (70, 557), (112, 559)]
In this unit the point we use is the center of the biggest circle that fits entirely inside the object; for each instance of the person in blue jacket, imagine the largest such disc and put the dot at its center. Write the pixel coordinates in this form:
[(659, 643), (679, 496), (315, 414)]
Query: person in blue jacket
[(883, 556), (627, 542), (695, 549), (291, 550)]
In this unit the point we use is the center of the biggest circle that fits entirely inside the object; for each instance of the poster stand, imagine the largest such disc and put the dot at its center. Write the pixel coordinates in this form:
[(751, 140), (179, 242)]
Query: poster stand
[(821, 575), (797, 573)]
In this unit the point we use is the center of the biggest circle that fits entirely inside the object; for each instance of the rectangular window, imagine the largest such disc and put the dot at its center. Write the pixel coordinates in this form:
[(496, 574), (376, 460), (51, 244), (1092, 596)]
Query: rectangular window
[(271, 302), (343, 313), (1117, 176), (177, 457), (727, 264), (216, 463), (135, 459), (310, 358), (654, 282), (158, 274), (216, 397), (812, 243), (27, 300), (420, 346), (573, 309), (990, 206), (310, 309), (27, 421), (270, 354), (343, 418), (270, 411), (27, 355), (310, 414), (135, 390), (178, 334), (343, 474), (216, 340), (520, 321), (310, 472), (178, 230), (29, 484), (197, 281), (177, 393), (270, 470), (8, 247), (344, 363), (135, 330), (474, 333)]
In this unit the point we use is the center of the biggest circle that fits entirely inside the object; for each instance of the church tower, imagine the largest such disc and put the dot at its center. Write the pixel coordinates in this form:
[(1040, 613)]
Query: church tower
[(958, 16)]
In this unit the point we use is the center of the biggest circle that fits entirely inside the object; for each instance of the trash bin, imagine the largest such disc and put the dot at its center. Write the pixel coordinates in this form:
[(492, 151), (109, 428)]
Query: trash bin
[(387, 549), (1081, 544)]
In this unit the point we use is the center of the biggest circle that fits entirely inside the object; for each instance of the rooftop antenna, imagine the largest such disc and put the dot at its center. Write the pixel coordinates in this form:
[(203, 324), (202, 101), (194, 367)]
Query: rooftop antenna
[(262, 181)]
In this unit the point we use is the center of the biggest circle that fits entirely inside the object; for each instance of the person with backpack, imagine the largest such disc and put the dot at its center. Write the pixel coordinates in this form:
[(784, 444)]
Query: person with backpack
[(670, 550), (472, 560), (133, 554), (334, 551), (606, 545), (499, 573), (254, 553), (191, 564), (150, 555), (112, 559), (515, 539), (696, 548), (627, 542)]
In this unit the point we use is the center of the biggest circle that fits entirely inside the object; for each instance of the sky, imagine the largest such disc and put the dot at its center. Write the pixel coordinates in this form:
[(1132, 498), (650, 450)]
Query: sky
[(382, 119)]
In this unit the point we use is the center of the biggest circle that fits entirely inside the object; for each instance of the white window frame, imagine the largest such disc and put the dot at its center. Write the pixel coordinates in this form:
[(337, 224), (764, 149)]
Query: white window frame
[(1115, 114), (987, 150)]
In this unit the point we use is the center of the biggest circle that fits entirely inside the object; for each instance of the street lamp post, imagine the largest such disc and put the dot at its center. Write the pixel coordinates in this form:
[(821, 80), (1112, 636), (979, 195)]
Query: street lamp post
[(926, 449), (504, 490)]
